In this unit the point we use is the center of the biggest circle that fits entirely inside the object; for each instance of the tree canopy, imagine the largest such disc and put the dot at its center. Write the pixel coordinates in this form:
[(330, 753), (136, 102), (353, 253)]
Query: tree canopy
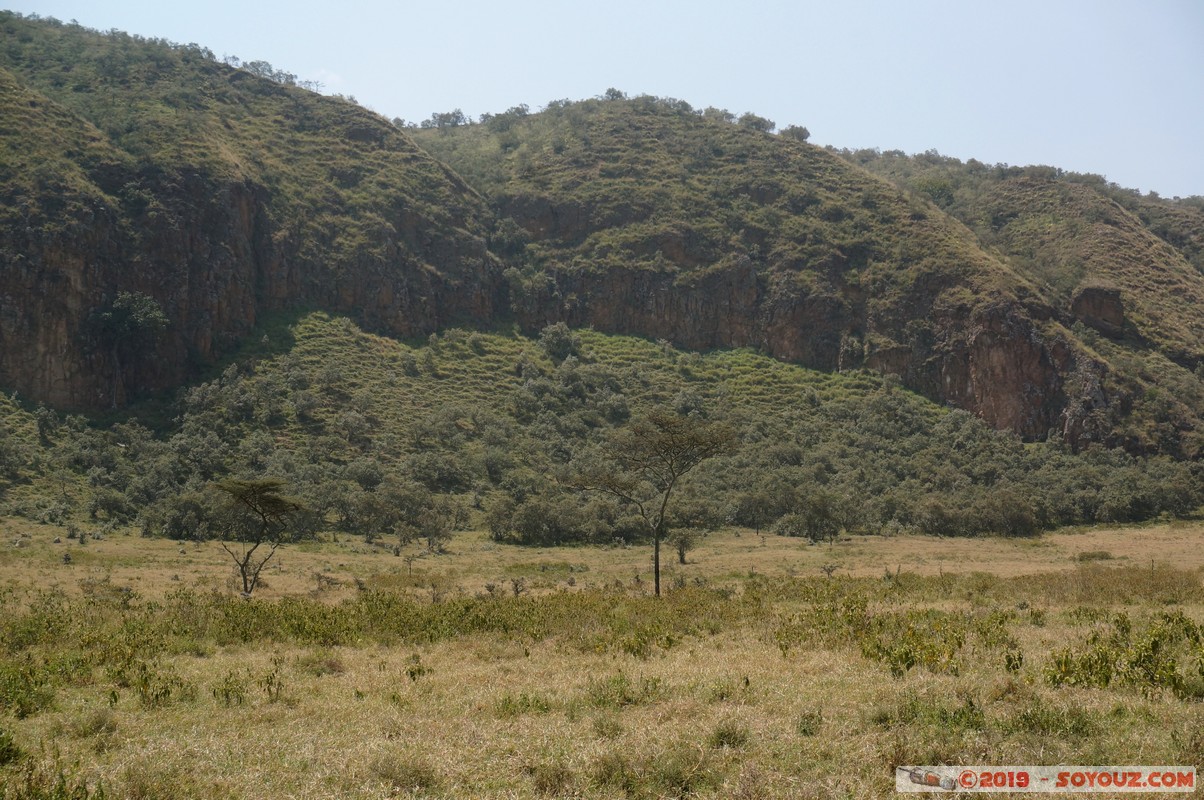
[(644, 462), (258, 514)]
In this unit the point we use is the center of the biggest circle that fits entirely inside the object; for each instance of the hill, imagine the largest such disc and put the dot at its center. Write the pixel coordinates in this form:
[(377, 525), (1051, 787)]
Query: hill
[(1127, 268), (642, 215), (138, 167), (158, 203), (647, 215)]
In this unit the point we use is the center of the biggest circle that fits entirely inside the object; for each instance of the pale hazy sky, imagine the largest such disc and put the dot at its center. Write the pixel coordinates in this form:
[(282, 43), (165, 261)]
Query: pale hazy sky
[(1115, 88)]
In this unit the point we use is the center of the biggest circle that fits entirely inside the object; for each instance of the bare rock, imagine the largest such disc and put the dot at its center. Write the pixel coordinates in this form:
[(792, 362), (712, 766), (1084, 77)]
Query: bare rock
[(1101, 308)]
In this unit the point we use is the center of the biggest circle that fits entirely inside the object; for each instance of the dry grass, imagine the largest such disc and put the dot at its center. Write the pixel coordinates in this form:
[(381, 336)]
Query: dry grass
[(332, 569), (718, 715), (371, 732)]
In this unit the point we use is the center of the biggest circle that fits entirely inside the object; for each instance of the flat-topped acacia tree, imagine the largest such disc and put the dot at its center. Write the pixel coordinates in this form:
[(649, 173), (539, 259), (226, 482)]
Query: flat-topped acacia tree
[(258, 515), (644, 462)]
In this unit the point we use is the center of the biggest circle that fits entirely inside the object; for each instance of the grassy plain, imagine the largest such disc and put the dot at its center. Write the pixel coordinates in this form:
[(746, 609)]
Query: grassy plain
[(357, 673)]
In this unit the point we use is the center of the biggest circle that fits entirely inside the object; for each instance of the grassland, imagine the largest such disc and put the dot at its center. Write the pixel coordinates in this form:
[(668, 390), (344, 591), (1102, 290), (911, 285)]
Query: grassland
[(357, 673)]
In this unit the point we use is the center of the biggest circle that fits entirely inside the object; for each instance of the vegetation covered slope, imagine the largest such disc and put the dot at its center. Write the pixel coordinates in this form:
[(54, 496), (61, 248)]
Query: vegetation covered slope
[(1070, 232), (157, 202), (399, 442), (646, 215), (140, 167), (1128, 267)]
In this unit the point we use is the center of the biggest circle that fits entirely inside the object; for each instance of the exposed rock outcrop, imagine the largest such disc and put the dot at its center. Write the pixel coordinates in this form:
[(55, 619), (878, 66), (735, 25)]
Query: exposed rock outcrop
[(996, 362), (216, 245), (1100, 307)]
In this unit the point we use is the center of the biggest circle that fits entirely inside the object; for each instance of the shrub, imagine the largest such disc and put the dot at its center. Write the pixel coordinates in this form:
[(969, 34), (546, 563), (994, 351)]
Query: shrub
[(37, 781), (551, 777), (513, 705), (617, 691), (319, 663), (559, 342), (966, 715), (232, 689), (1051, 721), (406, 774), (158, 685), (929, 639), (678, 772), (1147, 660), (614, 770), (729, 733), (415, 669), (24, 689), (271, 681), (9, 750)]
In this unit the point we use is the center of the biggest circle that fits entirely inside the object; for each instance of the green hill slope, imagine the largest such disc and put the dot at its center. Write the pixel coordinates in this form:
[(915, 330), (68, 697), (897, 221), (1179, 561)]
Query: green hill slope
[(1069, 232), (157, 203), (645, 215), (147, 168), (1126, 268), (483, 427)]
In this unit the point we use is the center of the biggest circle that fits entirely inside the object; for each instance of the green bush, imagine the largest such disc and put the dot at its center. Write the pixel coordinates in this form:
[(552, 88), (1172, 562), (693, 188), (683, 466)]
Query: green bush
[(729, 733), (1147, 659), (9, 750), (618, 691), (25, 688)]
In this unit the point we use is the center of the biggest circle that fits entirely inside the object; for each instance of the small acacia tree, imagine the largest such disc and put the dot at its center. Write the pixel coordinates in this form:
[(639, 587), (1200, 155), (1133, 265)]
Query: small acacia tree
[(643, 463), (257, 516), (683, 541)]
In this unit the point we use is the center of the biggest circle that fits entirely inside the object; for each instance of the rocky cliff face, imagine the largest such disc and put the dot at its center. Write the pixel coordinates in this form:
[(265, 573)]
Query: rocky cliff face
[(995, 361), (215, 262), (1100, 307), (217, 249), (345, 214), (643, 217)]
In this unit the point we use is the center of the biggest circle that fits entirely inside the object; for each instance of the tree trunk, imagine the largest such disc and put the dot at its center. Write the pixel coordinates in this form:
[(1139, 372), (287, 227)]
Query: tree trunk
[(656, 559)]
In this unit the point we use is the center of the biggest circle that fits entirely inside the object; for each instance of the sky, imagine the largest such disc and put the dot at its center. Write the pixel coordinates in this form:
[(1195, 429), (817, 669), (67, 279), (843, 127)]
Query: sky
[(1100, 86)]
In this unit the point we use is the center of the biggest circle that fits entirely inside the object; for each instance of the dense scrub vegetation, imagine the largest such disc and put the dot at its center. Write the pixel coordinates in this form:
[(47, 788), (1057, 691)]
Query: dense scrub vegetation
[(967, 190), (151, 117), (405, 442), (652, 183)]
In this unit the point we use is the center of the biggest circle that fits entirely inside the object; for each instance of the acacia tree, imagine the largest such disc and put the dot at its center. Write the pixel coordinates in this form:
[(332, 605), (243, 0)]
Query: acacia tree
[(643, 463), (258, 515)]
